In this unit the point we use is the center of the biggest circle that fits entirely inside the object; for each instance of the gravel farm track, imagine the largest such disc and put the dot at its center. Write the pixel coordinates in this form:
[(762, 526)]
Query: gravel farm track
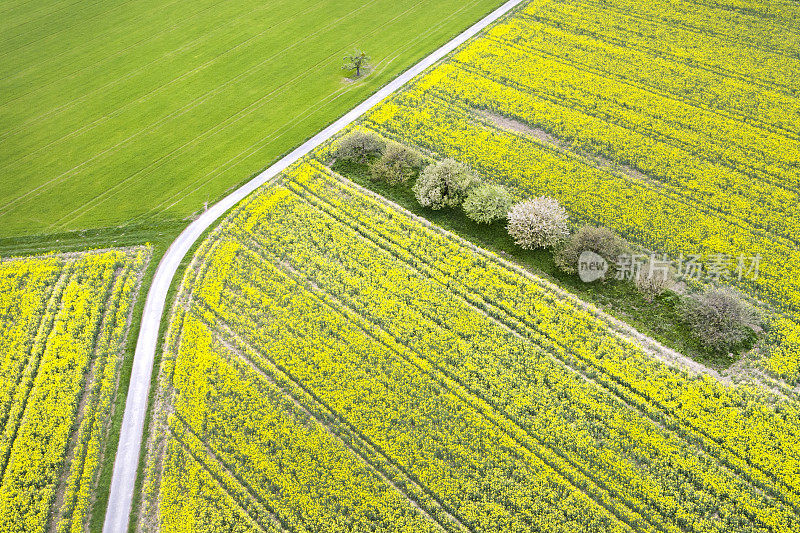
[(127, 458)]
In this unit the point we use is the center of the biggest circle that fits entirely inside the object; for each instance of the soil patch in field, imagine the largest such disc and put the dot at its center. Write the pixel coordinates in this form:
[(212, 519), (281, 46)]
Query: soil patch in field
[(599, 161)]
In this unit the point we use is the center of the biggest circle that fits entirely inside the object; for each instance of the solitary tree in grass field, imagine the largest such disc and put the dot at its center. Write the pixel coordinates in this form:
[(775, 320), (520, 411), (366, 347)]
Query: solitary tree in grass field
[(357, 60)]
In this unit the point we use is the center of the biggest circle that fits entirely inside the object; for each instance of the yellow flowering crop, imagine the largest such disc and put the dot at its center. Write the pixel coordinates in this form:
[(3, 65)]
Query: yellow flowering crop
[(62, 335), (334, 362)]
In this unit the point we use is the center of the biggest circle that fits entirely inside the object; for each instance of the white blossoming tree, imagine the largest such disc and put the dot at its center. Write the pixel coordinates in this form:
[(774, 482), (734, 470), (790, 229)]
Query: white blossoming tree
[(538, 223)]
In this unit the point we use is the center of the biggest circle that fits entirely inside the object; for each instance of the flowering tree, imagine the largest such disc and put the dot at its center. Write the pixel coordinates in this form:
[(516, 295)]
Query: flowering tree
[(538, 223)]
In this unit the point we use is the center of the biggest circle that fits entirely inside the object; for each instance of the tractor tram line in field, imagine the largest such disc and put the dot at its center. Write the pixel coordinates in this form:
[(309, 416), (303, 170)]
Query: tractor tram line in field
[(337, 426), (84, 410), (108, 58), (664, 55), (213, 131), (227, 480), (228, 122), (56, 419), (390, 341), (687, 193), (774, 253), (86, 126), (636, 178), (77, 127), (152, 126), (242, 353), (28, 374), (628, 396), (579, 477), (89, 125), (576, 475), (255, 147), (691, 114)]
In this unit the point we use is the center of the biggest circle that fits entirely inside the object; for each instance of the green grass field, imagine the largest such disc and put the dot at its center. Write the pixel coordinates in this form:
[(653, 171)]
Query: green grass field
[(116, 113)]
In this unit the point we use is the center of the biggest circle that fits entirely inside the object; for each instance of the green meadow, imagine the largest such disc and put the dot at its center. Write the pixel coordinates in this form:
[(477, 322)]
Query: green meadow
[(117, 113)]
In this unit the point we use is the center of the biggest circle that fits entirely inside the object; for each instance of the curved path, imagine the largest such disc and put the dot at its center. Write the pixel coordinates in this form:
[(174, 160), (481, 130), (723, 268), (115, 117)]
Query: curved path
[(127, 458)]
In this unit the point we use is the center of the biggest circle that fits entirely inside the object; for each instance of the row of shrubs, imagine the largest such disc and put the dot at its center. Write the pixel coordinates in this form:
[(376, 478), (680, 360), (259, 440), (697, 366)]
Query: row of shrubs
[(718, 317), (439, 184)]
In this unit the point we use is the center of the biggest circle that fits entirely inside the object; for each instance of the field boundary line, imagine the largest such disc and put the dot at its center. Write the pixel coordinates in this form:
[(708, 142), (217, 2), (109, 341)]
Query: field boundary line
[(156, 442), (651, 345), (787, 247)]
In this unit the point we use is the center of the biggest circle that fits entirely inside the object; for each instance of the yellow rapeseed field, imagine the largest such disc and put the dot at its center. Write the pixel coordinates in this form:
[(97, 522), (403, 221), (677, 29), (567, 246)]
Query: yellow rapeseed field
[(62, 337), (334, 364)]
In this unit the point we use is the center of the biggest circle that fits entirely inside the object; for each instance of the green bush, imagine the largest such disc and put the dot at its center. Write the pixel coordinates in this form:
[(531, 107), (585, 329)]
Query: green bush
[(599, 240), (359, 146), (720, 319), (397, 164), (486, 203), (444, 184)]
